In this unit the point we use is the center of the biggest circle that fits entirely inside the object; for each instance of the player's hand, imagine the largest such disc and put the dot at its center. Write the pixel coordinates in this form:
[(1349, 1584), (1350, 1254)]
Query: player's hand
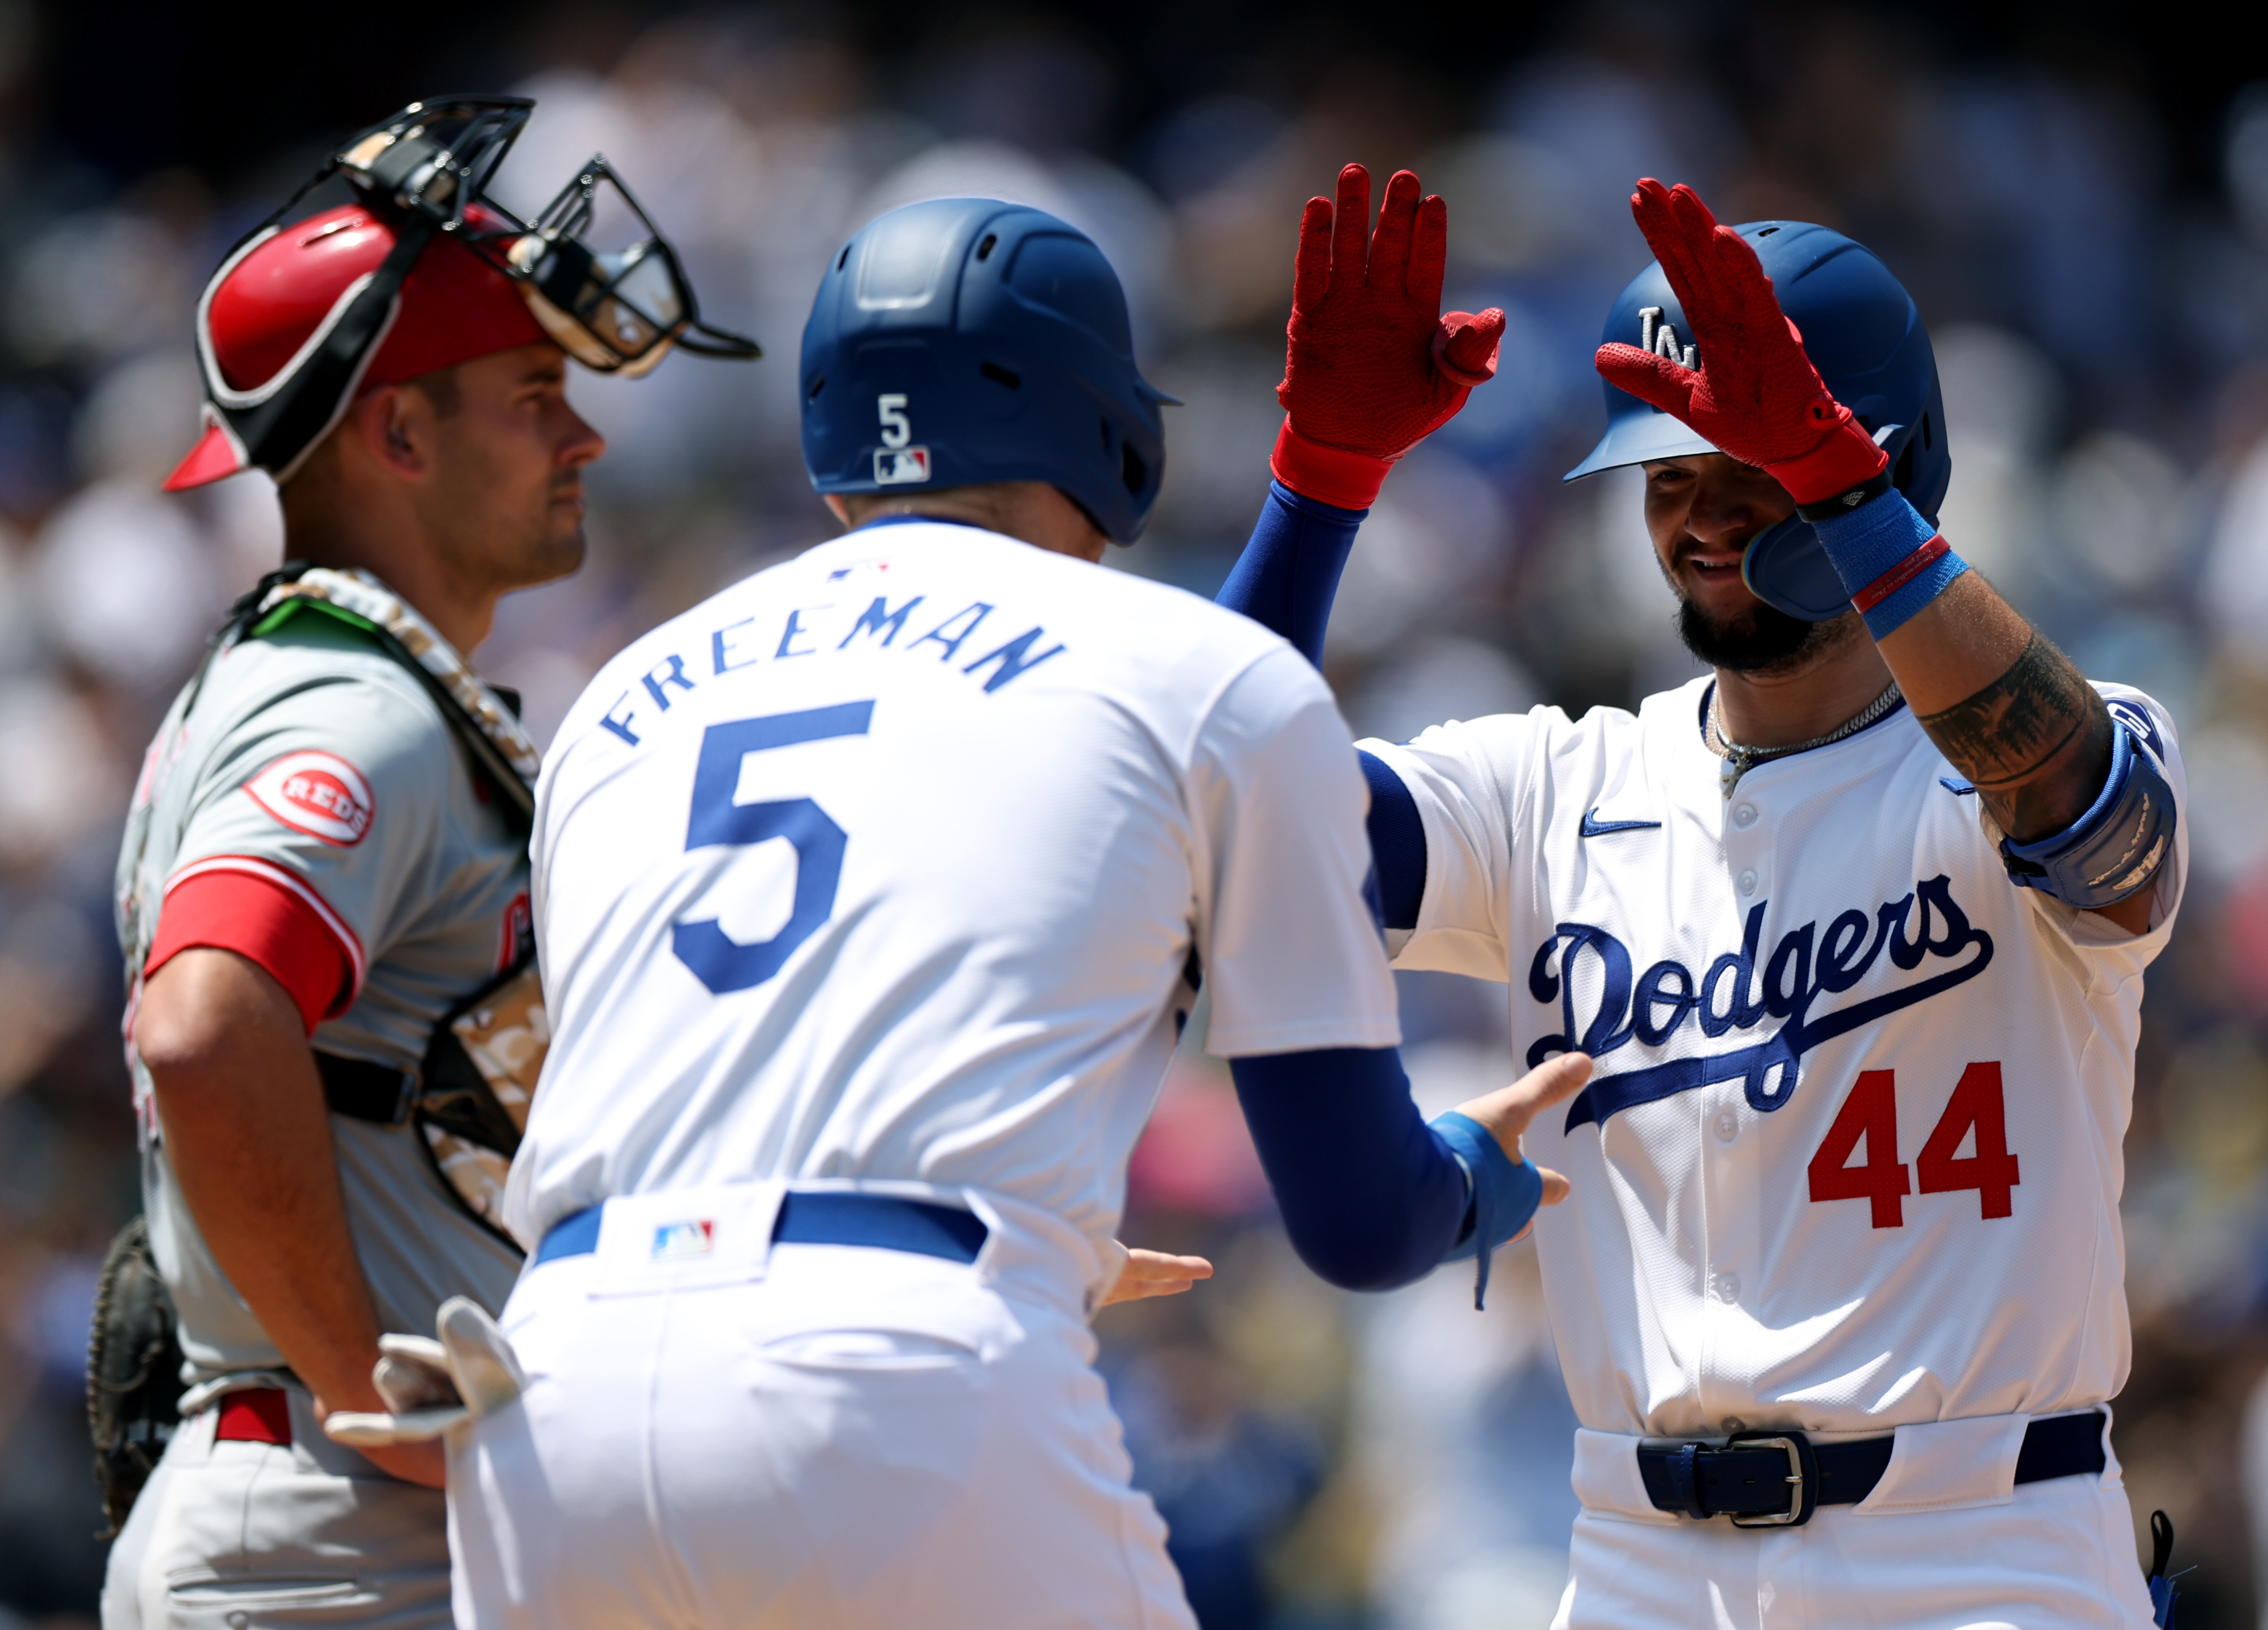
[(425, 1464), (1507, 1111), (1147, 1273), (430, 1389), (1372, 367), (1755, 393)]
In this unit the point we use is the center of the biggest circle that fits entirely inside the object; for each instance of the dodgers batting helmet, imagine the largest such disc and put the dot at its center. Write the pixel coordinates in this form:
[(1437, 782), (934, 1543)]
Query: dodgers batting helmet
[(1864, 335), (960, 341)]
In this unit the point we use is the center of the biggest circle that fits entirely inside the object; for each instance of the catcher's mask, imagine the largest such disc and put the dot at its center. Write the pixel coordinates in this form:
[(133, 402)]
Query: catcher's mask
[(592, 270)]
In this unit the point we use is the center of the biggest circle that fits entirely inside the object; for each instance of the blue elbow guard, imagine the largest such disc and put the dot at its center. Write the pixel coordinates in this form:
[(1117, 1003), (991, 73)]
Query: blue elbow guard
[(2115, 849), (1505, 1193)]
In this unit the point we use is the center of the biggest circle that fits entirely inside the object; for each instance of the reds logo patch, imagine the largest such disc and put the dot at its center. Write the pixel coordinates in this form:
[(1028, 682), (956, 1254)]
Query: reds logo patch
[(318, 793)]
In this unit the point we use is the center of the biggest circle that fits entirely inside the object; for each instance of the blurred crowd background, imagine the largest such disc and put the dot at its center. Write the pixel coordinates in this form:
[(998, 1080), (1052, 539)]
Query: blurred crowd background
[(2079, 198)]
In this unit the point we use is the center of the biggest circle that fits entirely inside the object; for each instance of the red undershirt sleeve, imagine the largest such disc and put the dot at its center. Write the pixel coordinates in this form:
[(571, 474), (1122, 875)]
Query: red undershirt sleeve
[(269, 924)]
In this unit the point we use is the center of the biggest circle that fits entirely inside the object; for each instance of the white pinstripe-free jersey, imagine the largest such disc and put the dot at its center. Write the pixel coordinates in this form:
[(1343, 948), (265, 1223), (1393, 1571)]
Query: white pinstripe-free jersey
[(1851, 1157), (888, 864)]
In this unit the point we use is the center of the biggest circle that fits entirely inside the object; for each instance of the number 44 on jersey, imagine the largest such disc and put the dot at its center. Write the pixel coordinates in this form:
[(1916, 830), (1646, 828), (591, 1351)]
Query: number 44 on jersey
[(1871, 1113)]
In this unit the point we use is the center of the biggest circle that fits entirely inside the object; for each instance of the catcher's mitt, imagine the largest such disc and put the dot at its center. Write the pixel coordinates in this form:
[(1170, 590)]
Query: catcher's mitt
[(133, 1372)]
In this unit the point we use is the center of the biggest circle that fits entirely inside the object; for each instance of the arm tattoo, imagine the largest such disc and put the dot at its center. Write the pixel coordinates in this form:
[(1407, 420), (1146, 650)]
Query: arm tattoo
[(2003, 737)]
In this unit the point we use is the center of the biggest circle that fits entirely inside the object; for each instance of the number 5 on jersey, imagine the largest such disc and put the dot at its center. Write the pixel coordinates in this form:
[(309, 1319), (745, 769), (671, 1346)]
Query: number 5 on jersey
[(718, 960), (1871, 1113)]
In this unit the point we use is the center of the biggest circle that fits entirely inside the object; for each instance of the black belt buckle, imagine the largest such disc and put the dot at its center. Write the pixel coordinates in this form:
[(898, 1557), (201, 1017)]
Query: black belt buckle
[(1802, 1479)]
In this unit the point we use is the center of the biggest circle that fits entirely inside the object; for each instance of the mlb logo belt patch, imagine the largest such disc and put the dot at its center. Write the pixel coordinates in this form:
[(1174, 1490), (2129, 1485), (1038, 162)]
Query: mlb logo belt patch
[(674, 1241)]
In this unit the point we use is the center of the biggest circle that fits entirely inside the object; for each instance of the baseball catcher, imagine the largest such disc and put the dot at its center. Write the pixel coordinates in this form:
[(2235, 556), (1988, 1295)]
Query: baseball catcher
[(333, 1025)]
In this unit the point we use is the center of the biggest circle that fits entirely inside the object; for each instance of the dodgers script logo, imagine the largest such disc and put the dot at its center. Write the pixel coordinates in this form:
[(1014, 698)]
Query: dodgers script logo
[(1732, 995)]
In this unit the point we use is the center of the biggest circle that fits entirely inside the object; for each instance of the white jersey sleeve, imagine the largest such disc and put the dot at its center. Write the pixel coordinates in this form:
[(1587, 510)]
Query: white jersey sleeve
[(1472, 781), (1289, 944)]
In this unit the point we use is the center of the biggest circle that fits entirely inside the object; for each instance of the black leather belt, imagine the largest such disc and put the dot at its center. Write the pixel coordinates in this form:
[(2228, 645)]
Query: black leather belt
[(363, 1091), (1776, 1479)]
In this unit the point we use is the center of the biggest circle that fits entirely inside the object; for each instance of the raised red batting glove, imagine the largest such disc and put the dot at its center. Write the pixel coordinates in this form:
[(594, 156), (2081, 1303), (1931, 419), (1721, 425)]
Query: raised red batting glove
[(1755, 393), (1372, 366)]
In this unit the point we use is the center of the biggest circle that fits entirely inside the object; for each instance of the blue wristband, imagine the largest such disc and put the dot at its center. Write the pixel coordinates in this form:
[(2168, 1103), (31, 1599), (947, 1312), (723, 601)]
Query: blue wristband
[(1869, 543), (1505, 1193)]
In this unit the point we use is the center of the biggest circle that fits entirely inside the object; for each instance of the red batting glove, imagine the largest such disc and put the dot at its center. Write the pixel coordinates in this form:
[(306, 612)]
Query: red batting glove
[(1371, 367), (1755, 394)]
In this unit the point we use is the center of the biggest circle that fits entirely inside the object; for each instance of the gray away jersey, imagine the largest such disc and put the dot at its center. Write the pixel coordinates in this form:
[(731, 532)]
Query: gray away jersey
[(311, 761)]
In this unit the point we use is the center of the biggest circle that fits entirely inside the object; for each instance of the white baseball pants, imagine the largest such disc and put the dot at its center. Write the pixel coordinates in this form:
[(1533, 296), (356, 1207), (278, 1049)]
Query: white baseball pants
[(230, 1536), (860, 1438)]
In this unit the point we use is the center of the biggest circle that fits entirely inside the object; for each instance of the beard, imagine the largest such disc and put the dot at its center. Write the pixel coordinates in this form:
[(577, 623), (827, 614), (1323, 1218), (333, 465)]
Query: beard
[(1760, 639)]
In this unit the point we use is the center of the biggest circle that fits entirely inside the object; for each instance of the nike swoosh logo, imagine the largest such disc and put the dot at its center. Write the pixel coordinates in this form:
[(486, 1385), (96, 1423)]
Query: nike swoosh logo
[(1592, 827)]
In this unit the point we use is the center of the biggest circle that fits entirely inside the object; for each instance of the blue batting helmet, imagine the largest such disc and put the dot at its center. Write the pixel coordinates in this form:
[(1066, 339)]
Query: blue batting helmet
[(1864, 335), (964, 340)]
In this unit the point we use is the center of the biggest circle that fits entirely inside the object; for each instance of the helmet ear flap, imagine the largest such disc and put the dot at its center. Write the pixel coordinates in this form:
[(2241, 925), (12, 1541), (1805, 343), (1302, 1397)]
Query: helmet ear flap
[(1786, 567), (1925, 484)]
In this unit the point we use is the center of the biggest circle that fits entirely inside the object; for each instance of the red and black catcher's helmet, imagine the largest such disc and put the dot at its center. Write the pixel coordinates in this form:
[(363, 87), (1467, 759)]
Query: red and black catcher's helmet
[(420, 272)]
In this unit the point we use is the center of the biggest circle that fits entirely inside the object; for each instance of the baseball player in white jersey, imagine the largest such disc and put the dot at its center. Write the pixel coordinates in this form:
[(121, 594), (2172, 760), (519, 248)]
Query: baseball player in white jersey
[(871, 894), (326, 864), (1854, 931)]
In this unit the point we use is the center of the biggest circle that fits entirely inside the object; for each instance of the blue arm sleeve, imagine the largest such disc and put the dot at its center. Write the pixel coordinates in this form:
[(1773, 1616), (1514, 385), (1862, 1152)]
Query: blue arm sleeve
[(1372, 1197), (1288, 573), (1286, 581)]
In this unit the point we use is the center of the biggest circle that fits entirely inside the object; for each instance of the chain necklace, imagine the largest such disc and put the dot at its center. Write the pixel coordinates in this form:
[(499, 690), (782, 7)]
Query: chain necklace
[(1739, 760)]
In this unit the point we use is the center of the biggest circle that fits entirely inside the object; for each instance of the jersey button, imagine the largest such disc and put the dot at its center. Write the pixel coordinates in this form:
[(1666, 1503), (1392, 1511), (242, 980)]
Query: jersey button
[(1744, 815), (1747, 880), (1728, 1125), (1728, 1288)]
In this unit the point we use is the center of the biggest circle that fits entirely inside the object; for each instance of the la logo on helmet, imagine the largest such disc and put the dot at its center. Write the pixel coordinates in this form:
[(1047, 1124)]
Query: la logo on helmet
[(1661, 337)]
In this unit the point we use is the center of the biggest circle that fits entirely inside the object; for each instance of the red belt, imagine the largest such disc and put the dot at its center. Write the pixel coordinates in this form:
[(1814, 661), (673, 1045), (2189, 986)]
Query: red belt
[(258, 1415)]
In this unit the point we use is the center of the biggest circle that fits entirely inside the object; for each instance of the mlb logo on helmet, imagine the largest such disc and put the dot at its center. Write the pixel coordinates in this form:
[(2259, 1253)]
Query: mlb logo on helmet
[(318, 793), (898, 467), (674, 1241)]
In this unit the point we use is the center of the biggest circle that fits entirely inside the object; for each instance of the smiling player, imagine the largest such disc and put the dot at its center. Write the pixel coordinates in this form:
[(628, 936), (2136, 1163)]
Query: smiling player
[(1854, 928)]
